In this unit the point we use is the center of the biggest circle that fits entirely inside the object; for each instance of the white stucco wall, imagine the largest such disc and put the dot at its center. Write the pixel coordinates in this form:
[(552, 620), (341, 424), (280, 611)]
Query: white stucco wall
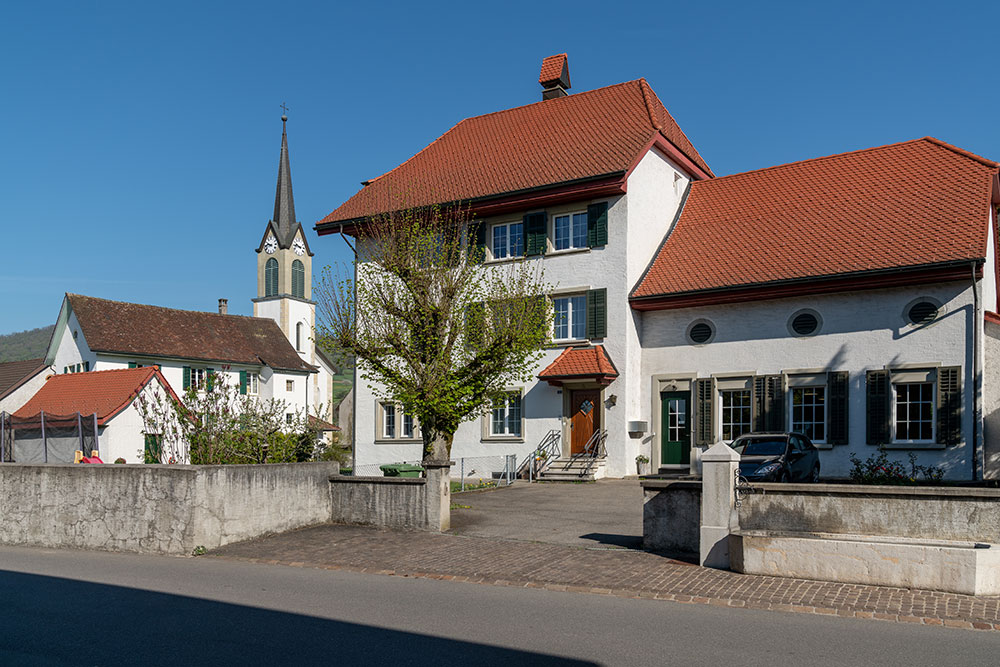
[(13, 401), (860, 331), (990, 269)]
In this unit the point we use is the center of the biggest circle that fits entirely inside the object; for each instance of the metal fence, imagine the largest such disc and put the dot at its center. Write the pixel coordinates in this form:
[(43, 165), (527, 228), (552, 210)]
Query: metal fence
[(47, 438), (468, 471)]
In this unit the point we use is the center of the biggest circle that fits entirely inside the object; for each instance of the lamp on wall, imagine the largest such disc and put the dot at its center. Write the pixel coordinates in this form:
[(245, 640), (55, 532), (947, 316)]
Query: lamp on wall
[(611, 401)]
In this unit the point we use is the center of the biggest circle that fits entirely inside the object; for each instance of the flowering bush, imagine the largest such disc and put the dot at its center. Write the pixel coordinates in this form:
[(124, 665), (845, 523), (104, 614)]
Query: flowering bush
[(878, 469)]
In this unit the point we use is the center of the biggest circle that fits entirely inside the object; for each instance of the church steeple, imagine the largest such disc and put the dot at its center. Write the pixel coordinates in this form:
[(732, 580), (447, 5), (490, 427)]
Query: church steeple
[(284, 204)]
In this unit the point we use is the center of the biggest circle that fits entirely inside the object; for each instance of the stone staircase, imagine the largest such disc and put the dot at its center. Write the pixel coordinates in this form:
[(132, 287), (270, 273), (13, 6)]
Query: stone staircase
[(577, 469)]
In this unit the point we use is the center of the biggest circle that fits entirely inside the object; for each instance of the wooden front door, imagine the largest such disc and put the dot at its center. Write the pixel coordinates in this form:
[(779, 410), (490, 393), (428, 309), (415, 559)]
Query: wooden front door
[(675, 427), (585, 417)]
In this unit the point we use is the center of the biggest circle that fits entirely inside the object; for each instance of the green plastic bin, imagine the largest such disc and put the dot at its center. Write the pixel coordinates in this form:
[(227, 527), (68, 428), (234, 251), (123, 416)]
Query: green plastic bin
[(401, 470)]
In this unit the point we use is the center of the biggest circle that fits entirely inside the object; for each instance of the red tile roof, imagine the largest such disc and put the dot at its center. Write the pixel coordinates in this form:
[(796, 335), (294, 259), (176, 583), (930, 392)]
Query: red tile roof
[(589, 134), (580, 362), (15, 373), (552, 68), (911, 204), (141, 330), (105, 393), (321, 424)]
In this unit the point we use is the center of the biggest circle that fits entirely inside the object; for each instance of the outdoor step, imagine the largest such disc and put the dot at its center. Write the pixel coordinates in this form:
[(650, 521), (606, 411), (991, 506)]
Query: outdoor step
[(574, 470)]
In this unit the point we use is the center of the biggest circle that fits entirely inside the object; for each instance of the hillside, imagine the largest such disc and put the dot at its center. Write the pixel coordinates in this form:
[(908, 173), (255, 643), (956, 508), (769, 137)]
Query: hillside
[(25, 344)]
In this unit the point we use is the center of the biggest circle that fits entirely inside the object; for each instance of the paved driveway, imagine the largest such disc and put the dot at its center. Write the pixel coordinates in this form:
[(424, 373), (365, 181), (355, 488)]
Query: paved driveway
[(606, 513)]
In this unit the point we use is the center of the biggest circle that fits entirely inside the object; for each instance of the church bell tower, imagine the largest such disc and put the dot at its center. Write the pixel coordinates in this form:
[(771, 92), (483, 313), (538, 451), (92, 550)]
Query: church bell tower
[(284, 266)]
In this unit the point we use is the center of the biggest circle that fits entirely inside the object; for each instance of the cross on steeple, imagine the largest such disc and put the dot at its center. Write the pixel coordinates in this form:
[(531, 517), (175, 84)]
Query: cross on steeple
[(284, 112)]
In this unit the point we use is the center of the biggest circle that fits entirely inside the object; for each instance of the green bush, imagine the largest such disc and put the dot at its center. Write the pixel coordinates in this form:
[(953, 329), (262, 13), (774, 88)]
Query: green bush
[(879, 469)]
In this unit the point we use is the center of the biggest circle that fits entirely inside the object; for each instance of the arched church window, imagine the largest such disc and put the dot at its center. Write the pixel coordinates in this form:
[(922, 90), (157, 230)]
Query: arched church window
[(271, 277), (298, 336), (298, 279)]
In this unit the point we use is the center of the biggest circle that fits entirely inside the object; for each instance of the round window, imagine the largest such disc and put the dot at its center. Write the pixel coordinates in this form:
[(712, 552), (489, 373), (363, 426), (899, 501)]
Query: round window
[(805, 323), (701, 332), (922, 312)]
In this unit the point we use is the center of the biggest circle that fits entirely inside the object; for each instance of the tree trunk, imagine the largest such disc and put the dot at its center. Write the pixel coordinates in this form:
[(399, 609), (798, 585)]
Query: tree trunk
[(437, 446)]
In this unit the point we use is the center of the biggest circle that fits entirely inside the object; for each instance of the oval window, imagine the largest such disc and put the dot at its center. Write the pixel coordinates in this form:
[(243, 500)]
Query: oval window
[(700, 332), (922, 312), (805, 324)]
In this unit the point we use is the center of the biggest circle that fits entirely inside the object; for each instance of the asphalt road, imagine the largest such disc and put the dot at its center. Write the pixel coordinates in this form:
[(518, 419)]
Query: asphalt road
[(91, 608)]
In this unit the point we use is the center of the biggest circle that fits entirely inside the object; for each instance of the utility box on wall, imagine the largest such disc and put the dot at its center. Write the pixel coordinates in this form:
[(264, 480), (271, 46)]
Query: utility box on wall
[(637, 428)]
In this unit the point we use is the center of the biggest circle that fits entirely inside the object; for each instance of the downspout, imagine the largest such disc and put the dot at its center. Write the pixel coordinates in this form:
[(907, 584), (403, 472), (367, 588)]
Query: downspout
[(977, 379)]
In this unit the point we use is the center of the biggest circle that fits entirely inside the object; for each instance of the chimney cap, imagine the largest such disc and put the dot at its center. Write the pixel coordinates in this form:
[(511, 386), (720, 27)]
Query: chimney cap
[(555, 72)]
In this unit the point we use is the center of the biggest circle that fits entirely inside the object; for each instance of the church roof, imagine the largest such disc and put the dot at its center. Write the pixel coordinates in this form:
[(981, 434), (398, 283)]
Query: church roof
[(104, 393), (283, 223), (596, 133), (13, 374), (913, 204), (152, 331)]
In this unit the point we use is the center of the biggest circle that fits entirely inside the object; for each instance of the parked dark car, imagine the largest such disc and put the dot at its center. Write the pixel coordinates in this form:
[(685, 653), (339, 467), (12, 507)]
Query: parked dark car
[(777, 457)]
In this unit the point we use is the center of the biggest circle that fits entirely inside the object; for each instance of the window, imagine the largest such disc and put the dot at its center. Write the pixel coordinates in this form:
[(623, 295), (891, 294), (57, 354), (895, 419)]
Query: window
[(736, 419), (298, 279), (508, 240), (505, 418), (570, 231), (153, 449), (197, 378), (298, 336), (289, 385), (396, 423), (289, 417), (570, 321), (271, 277), (914, 409), (809, 412), (253, 384)]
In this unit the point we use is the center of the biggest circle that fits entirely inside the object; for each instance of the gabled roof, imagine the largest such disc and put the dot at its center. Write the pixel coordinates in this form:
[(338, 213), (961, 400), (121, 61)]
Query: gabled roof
[(104, 393), (13, 374), (913, 204), (579, 363), (557, 141), (151, 331)]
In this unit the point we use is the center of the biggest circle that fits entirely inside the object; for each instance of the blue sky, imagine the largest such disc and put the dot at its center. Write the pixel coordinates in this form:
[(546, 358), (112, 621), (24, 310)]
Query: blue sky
[(140, 140)]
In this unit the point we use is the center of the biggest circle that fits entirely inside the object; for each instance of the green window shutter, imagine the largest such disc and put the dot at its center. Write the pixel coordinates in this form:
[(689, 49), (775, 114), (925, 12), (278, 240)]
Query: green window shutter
[(877, 383), (187, 378), (759, 405), (298, 279), (132, 364), (949, 405), (479, 252), (535, 233), (768, 403), (209, 379), (271, 277), (243, 382), (597, 313), (837, 424), (705, 398), (152, 449), (597, 225), (86, 366)]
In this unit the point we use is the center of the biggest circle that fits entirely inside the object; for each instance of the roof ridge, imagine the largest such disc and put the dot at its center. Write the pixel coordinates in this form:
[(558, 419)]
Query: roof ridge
[(147, 369), (176, 310), (963, 152), (646, 91), (845, 153)]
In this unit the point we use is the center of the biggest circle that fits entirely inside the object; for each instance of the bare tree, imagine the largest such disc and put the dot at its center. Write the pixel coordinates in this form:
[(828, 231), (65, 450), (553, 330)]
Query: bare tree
[(432, 327)]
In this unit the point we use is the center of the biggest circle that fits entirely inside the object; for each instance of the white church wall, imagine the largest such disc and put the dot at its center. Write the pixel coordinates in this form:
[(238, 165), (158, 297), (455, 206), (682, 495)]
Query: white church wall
[(860, 331)]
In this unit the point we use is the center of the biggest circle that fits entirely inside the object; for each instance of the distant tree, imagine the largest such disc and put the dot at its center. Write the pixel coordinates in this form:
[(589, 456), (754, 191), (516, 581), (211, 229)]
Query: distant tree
[(24, 345), (432, 327)]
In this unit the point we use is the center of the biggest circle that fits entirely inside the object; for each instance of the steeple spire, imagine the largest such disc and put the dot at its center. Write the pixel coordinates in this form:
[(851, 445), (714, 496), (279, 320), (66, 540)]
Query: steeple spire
[(284, 204)]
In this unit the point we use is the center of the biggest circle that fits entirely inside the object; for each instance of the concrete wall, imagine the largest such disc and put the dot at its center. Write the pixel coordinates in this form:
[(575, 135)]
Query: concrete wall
[(393, 502), (671, 516), (158, 509), (934, 513)]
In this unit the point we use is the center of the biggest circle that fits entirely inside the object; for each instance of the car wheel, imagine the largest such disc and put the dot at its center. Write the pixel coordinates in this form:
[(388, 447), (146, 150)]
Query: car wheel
[(814, 475)]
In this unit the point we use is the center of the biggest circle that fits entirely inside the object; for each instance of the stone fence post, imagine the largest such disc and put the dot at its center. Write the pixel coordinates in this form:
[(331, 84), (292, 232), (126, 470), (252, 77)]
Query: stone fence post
[(718, 499), (438, 494)]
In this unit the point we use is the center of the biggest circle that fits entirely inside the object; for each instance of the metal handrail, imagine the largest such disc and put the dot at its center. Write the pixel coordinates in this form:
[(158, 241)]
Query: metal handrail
[(549, 444)]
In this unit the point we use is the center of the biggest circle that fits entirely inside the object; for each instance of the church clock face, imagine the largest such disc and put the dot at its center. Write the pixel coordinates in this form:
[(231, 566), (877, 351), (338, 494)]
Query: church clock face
[(299, 247), (270, 245)]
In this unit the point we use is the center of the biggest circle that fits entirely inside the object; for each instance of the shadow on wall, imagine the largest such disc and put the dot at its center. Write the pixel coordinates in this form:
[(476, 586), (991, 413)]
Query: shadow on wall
[(52, 626)]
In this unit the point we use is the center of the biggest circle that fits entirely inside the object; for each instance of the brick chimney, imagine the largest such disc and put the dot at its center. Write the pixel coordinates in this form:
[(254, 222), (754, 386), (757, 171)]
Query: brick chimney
[(223, 306), (554, 76)]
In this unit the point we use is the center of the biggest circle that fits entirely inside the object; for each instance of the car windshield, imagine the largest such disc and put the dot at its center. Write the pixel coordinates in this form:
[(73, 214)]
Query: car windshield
[(760, 447)]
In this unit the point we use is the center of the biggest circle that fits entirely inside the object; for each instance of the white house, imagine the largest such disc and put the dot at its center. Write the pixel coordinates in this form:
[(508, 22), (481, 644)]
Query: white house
[(19, 380), (843, 297), (107, 397)]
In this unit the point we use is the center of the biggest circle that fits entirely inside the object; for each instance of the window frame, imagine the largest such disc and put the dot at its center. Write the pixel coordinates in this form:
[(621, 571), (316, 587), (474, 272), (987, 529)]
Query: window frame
[(491, 240), (569, 296), (253, 383), (506, 436), (790, 398), (893, 412), (722, 412), (399, 417), (199, 378), (553, 247)]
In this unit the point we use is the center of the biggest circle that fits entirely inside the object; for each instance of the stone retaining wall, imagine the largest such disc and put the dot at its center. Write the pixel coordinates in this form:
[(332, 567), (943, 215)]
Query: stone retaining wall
[(671, 513), (422, 503), (158, 508)]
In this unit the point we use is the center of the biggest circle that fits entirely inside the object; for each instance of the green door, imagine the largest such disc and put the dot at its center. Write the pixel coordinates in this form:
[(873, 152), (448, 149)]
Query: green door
[(675, 429)]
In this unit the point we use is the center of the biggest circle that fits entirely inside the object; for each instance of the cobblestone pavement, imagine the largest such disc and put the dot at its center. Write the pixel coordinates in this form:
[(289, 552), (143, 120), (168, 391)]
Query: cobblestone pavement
[(619, 572)]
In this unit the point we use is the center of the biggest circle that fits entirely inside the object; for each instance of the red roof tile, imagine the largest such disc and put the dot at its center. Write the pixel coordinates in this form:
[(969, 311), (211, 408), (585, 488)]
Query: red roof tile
[(105, 393), (15, 373), (321, 424), (589, 134), (552, 68), (138, 329), (910, 204), (580, 362)]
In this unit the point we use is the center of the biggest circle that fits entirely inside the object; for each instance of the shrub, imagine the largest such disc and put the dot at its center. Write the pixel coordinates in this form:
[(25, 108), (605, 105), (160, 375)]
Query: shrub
[(119, 460), (879, 469)]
